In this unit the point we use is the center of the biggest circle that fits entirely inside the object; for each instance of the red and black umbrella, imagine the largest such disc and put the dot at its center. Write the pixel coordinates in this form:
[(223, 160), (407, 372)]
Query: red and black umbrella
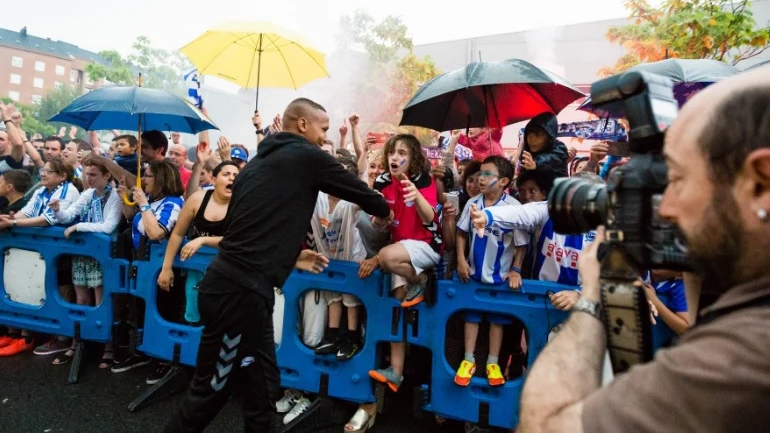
[(488, 94)]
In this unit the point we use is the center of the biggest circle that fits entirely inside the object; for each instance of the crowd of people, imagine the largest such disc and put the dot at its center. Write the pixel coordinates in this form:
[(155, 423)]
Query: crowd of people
[(426, 233)]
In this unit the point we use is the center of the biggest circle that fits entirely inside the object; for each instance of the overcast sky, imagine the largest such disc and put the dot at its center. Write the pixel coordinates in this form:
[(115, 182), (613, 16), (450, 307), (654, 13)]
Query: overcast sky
[(111, 24)]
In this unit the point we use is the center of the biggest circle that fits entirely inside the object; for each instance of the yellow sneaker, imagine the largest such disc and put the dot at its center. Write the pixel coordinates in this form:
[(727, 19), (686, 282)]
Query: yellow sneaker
[(465, 373), (494, 375)]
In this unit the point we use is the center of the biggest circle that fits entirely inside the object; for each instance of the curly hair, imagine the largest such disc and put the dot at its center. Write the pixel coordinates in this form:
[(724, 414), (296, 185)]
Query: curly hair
[(417, 158)]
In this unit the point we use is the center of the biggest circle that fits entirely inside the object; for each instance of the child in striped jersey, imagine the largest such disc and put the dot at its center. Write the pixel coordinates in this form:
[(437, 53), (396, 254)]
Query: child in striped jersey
[(494, 258)]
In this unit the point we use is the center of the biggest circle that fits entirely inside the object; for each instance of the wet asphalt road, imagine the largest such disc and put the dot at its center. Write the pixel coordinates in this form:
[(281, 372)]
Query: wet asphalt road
[(35, 398)]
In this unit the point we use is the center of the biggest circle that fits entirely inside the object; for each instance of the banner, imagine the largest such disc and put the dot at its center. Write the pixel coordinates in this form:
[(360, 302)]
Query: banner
[(602, 129), (461, 152)]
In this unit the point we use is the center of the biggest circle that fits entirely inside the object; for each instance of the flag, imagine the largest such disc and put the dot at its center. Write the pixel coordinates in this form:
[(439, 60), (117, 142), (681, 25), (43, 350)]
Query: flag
[(193, 88)]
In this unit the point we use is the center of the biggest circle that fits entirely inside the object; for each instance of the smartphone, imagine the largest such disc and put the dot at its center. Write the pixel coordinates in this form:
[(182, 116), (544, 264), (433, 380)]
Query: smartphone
[(379, 137), (618, 148), (454, 198)]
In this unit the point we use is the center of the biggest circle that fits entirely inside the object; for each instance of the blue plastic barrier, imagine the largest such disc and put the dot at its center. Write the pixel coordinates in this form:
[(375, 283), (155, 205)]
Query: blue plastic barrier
[(160, 337), (55, 315), (529, 305), (348, 380)]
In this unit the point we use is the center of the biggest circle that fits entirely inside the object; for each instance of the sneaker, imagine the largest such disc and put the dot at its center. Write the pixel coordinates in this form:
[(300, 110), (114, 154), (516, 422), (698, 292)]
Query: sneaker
[(52, 346), (303, 404), (465, 373), (287, 402), (349, 346), (414, 294), (330, 343), (17, 346), (387, 376), (133, 361), (6, 340), (159, 374), (494, 375)]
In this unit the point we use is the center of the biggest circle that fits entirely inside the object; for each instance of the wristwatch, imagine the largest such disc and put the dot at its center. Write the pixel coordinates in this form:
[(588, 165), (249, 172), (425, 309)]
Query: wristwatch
[(144, 208), (595, 309)]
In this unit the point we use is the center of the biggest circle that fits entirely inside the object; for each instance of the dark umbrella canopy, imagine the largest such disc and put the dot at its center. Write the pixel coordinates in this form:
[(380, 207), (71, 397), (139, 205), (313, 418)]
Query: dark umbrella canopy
[(488, 94), (689, 76), (120, 107)]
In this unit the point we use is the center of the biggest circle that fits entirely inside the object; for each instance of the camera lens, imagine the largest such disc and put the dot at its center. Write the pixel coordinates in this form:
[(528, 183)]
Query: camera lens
[(577, 205)]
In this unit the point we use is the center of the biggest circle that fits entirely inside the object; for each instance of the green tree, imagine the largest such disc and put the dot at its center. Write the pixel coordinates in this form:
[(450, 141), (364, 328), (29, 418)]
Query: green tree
[(53, 102), (161, 69), (722, 30), (30, 122), (395, 72)]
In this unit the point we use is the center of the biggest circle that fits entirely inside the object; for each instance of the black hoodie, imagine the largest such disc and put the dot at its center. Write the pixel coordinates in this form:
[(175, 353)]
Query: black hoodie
[(553, 155), (273, 201)]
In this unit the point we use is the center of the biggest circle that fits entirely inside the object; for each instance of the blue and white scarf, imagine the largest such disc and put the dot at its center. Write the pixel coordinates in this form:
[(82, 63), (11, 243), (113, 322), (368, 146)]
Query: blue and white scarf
[(94, 211)]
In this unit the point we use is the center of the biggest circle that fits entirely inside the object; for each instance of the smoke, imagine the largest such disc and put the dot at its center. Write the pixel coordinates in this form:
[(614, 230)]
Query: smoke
[(541, 44)]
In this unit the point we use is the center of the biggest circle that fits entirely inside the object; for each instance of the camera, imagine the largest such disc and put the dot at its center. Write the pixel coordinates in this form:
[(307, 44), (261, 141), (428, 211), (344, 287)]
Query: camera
[(628, 204)]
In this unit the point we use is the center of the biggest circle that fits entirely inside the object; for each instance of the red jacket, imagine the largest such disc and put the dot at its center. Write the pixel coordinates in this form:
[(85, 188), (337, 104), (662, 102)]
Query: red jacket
[(485, 144)]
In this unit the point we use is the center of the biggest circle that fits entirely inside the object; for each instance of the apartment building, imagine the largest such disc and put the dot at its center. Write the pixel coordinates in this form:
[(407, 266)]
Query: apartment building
[(30, 66)]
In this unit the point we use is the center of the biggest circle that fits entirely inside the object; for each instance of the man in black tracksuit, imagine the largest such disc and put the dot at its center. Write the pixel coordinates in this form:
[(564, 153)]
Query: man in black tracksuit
[(272, 204)]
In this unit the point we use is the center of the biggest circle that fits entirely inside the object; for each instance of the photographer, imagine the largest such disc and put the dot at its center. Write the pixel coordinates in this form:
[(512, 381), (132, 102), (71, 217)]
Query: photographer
[(716, 379)]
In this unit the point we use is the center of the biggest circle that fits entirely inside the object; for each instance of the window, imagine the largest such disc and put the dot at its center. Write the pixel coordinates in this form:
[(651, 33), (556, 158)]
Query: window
[(73, 74), (40, 66), (60, 70), (57, 84), (38, 83), (13, 95), (36, 99), (17, 62), (15, 79)]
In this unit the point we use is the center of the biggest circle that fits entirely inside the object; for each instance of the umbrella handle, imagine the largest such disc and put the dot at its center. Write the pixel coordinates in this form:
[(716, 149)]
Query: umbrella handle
[(138, 157)]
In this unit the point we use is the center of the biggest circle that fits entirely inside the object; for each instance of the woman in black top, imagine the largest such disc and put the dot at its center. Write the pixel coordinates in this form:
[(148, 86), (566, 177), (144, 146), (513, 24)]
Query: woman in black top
[(204, 212)]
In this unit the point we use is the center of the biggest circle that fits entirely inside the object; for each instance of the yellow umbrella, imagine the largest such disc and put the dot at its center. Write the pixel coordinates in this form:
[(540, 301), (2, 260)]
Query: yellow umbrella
[(254, 54)]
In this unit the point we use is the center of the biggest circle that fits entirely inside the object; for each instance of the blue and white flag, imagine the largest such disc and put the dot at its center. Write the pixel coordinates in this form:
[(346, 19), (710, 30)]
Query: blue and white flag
[(193, 88)]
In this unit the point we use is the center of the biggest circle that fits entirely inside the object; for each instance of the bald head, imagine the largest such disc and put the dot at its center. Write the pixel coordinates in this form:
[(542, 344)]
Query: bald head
[(308, 119), (178, 154)]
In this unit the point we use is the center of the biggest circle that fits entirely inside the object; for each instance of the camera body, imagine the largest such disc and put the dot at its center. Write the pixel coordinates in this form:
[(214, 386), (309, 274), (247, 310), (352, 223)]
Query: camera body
[(628, 204)]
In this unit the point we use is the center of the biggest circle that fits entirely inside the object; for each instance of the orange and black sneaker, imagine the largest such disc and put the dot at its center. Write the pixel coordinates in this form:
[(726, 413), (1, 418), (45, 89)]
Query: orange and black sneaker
[(414, 295), (17, 346), (465, 373), (6, 340), (494, 375)]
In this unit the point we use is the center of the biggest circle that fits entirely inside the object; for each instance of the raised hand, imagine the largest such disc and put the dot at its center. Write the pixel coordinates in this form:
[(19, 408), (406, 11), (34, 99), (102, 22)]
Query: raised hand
[(354, 120), (224, 148), (203, 152), (527, 162), (410, 190), (344, 128), (256, 120)]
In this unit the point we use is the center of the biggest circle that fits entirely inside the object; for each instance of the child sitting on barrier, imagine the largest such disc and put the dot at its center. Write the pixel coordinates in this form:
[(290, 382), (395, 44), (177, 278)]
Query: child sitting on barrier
[(336, 237), (494, 258), (98, 211), (417, 245)]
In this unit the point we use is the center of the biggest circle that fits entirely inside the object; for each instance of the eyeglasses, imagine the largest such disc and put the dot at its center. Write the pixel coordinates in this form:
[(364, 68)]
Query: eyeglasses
[(147, 176), (487, 173)]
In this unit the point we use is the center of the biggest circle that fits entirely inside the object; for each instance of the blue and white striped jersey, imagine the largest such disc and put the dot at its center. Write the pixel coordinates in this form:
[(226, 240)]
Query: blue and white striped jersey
[(556, 254), (491, 256)]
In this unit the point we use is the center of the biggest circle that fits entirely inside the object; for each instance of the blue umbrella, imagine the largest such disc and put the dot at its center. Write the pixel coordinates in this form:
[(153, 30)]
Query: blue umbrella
[(124, 107)]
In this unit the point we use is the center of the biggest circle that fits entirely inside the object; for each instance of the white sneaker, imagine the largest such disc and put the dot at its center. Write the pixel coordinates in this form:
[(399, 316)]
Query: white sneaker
[(289, 399), (302, 405)]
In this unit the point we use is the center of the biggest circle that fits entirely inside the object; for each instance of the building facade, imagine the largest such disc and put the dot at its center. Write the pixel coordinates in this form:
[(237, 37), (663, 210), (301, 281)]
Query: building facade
[(30, 66)]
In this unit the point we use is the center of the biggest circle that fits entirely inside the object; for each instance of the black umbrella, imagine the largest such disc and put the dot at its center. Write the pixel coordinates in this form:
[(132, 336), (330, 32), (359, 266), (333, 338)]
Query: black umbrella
[(488, 94), (689, 76)]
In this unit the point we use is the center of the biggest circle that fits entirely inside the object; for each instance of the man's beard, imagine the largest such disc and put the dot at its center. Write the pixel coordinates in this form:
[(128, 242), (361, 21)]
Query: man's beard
[(716, 245)]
